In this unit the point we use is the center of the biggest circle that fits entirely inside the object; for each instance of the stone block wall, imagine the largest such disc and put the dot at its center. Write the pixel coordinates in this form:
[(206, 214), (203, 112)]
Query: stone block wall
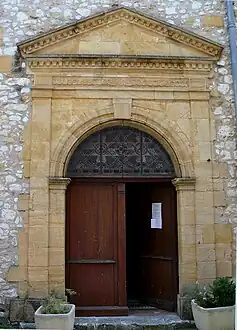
[(216, 188)]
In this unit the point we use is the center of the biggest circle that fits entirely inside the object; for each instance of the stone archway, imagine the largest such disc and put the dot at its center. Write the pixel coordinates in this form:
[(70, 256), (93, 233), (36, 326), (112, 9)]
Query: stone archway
[(185, 187), (174, 141), (118, 153), (106, 169)]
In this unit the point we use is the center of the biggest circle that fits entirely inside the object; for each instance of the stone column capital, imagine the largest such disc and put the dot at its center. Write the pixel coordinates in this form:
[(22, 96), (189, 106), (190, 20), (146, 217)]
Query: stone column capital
[(58, 183), (183, 184)]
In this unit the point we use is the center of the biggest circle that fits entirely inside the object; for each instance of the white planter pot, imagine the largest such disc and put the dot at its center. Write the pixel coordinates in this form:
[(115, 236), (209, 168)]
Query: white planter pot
[(55, 321), (219, 318)]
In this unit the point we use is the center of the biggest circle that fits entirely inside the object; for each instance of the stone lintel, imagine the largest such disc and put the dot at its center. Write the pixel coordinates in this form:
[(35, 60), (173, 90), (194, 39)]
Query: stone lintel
[(121, 94)]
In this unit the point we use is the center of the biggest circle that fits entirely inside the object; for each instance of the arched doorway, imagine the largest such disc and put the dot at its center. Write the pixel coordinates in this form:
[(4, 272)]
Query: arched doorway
[(121, 241)]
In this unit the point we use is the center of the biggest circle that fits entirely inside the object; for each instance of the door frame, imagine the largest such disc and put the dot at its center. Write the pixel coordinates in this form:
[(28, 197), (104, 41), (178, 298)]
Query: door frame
[(95, 180)]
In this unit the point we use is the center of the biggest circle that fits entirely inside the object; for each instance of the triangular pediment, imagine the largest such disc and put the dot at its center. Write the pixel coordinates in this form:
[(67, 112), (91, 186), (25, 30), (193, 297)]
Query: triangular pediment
[(121, 31)]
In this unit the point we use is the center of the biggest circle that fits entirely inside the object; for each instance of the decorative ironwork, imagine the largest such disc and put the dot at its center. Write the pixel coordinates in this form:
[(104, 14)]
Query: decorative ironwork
[(120, 151)]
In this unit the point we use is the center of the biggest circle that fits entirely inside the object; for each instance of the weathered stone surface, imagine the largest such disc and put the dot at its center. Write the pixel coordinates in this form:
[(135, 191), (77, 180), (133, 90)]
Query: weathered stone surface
[(204, 124), (212, 21), (5, 63), (22, 310)]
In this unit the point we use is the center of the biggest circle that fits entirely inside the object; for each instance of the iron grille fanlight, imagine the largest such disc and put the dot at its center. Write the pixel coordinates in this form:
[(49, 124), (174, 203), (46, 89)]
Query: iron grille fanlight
[(120, 151)]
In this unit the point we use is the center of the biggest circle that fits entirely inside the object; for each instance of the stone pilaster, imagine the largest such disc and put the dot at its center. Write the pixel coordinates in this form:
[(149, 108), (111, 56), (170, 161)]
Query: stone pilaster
[(185, 188), (57, 191), (39, 196)]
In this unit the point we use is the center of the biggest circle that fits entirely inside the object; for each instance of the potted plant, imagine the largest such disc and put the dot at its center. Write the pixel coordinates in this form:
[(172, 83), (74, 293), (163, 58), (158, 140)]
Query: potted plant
[(214, 305), (55, 313)]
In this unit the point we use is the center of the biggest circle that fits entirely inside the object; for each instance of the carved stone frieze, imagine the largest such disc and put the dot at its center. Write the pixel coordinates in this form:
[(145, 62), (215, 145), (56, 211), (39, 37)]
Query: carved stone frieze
[(124, 82), (178, 34), (133, 82)]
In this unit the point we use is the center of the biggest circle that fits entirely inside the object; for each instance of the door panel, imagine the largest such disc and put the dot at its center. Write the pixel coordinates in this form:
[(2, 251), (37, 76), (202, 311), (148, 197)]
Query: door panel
[(159, 250), (157, 278), (100, 277), (95, 260), (155, 250)]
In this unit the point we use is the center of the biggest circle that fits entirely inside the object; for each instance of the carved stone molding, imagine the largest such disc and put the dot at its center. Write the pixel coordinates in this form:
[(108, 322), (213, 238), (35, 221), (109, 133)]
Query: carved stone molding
[(110, 17), (182, 184), (124, 82), (57, 183), (125, 62), (144, 82)]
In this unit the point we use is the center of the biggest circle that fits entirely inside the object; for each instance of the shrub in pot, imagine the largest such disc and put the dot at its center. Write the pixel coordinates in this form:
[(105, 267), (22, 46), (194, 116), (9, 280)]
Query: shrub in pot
[(214, 305), (55, 313)]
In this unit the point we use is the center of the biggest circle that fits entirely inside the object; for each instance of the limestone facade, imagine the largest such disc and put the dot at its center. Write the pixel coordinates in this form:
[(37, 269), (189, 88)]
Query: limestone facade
[(119, 67)]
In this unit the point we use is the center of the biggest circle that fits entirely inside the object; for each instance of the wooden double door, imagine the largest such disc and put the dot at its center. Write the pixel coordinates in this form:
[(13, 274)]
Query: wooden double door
[(121, 246)]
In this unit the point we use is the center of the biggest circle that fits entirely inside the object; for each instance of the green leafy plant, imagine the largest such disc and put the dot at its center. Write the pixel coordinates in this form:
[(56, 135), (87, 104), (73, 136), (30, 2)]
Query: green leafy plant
[(220, 293), (54, 304)]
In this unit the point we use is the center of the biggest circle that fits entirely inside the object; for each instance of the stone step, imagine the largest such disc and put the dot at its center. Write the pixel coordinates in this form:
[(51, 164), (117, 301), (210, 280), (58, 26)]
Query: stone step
[(133, 322), (183, 326)]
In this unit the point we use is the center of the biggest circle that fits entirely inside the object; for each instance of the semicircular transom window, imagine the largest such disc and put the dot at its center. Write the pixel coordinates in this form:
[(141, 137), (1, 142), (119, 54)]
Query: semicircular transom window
[(120, 151)]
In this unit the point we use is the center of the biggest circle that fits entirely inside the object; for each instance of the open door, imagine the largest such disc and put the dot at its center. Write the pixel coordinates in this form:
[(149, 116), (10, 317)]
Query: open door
[(95, 256), (152, 245)]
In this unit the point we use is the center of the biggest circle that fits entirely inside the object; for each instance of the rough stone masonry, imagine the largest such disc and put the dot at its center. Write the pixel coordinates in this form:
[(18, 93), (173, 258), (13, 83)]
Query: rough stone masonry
[(22, 19)]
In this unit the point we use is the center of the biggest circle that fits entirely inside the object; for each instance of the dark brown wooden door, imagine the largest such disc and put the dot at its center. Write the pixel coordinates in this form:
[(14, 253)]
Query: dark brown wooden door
[(152, 252), (95, 256)]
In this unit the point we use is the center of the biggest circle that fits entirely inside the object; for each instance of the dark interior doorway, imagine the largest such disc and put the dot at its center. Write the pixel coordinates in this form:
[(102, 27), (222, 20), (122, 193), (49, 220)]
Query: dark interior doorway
[(151, 247), (135, 208)]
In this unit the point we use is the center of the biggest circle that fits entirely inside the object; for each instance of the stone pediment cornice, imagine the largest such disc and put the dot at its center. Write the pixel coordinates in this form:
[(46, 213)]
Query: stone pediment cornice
[(183, 36), (78, 62)]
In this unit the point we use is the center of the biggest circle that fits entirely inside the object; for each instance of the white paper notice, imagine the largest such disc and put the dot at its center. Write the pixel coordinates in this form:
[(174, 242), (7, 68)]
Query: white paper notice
[(156, 220)]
